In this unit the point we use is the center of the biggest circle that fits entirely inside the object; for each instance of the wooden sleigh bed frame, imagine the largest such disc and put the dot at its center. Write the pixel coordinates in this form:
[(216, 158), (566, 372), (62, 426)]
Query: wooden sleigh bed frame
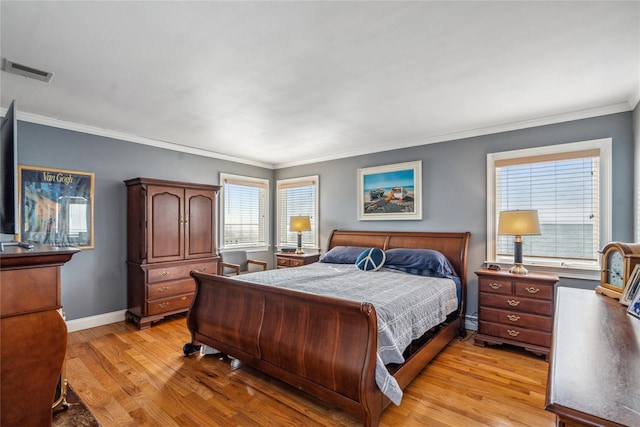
[(321, 345)]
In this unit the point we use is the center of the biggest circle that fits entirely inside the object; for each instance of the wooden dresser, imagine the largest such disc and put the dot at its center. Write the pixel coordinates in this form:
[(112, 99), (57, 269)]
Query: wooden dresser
[(171, 232), (290, 259), (33, 334), (516, 309), (594, 372)]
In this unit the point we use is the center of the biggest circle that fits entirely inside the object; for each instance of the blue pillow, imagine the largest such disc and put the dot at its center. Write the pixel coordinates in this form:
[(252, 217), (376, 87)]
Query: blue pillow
[(420, 259), (342, 254), (371, 259)]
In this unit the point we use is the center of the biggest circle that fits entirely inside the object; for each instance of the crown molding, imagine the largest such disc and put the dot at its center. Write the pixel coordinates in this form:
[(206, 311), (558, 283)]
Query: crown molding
[(506, 127), (559, 118), (92, 130)]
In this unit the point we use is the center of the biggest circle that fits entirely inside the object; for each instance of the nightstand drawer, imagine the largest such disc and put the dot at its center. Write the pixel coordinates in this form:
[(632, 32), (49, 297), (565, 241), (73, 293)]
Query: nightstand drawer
[(283, 262), (517, 319), (534, 290), (495, 286), (516, 303), (516, 333)]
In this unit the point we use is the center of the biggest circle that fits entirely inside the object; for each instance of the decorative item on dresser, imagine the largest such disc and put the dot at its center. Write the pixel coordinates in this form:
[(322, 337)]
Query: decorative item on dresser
[(33, 333), (288, 259), (516, 309), (171, 232), (618, 261)]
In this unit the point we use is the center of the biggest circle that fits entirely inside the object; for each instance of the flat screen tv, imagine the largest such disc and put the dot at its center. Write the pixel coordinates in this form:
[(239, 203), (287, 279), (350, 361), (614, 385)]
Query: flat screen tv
[(9, 176)]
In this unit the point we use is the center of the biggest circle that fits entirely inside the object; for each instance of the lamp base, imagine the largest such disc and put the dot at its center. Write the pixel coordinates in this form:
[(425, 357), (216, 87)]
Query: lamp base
[(518, 269), (299, 251)]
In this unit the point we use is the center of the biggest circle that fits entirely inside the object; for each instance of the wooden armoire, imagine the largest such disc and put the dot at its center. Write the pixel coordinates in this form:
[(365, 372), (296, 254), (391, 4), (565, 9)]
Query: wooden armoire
[(170, 232)]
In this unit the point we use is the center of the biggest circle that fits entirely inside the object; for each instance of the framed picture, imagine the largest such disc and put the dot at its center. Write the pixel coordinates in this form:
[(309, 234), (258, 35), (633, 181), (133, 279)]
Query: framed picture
[(634, 305), (390, 192), (632, 286), (56, 206)]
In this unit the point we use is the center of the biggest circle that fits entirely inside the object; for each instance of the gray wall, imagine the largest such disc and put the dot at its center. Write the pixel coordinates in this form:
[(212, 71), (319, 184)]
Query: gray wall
[(454, 184), (454, 192), (95, 281)]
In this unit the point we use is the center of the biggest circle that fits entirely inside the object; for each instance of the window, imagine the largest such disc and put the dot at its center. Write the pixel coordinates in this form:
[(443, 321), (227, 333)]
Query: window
[(244, 210), (569, 186), (298, 197)]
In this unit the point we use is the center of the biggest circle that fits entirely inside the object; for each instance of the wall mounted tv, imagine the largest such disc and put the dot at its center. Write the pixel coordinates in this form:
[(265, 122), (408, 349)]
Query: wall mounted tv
[(9, 176)]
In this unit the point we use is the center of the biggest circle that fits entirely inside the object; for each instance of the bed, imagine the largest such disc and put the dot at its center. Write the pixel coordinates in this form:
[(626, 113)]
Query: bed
[(324, 345)]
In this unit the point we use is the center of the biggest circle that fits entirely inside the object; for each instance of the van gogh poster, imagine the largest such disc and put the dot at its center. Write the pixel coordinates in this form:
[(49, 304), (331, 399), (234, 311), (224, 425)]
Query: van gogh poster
[(56, 206)]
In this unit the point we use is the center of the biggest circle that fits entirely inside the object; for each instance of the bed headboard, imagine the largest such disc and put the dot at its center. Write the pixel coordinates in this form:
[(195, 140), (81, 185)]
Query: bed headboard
[(453, 245)]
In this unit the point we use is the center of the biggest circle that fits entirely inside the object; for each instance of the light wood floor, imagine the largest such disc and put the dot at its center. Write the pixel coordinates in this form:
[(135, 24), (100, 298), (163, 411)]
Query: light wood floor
[(129, 377)]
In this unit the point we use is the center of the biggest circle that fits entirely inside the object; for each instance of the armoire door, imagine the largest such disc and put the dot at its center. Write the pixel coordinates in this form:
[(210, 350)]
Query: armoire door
[(165, 224), (200, 225)]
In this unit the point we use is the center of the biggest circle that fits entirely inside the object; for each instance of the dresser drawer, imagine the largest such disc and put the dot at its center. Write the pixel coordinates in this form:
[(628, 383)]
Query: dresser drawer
[(516, 333), (20, 285), (516, 303), (534, 290), (513, 318), (161, 274), (170, 288), (169, 304), (496, 286)]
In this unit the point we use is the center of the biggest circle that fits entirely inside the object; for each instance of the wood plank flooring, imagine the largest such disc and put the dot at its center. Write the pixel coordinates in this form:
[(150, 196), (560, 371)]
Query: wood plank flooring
[(128, 377)]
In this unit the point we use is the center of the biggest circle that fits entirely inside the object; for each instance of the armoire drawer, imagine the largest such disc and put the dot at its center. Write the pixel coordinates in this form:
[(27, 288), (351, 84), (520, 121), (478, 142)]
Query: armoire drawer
[(169, 304), (161, 274), (170, 288)]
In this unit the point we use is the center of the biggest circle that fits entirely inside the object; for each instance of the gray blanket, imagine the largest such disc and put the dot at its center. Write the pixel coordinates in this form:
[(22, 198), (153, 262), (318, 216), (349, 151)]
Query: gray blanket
[(407, 305)]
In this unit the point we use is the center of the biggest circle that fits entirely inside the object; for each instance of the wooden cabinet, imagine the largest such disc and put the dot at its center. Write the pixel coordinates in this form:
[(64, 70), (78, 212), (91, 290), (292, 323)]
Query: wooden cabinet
[(516, 309), (287, 260), (33, 333), (171, 232)]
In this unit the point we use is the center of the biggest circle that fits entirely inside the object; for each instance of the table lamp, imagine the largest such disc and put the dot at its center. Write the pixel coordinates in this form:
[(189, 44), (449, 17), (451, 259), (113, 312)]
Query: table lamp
[(518, 223), (300, 224)]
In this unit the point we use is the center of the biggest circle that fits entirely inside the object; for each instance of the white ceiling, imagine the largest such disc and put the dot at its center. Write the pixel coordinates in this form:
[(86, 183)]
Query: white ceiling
[(285, 83)]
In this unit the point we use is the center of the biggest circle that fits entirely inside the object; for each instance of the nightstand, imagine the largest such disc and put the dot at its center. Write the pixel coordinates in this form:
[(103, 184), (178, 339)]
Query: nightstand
[(516, 309), (287, 260)]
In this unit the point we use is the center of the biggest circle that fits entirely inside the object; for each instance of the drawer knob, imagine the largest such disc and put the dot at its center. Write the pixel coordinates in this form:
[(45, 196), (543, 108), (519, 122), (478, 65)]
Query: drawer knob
[(201, 269), (513, 302), (163, 305), (532, 290), (163, 289), (163, 273), (513, 333), (495, 285), (183, 298), (513, 317)]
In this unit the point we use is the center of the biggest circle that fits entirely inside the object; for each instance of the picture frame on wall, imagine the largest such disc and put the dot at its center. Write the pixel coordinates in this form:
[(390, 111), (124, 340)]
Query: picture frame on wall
[(390, 192), (56, 206)]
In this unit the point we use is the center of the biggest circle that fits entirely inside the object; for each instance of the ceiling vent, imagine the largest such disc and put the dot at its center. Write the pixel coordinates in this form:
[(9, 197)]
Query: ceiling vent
[(26, 71)]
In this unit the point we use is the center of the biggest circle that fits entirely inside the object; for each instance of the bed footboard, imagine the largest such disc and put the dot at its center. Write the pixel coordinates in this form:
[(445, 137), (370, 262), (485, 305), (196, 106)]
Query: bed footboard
[(321, 345)]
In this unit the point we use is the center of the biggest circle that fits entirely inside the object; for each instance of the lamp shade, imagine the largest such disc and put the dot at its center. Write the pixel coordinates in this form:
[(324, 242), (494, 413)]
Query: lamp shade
[(519, 223), (300, 223)]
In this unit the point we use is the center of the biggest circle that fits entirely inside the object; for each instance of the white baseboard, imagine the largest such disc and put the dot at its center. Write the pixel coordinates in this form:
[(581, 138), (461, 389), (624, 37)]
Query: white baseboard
[(93, 321)]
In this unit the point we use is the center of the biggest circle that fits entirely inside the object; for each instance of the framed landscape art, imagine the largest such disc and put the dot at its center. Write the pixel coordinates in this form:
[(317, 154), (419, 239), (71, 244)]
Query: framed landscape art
[(390, 192), (56, 206)]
